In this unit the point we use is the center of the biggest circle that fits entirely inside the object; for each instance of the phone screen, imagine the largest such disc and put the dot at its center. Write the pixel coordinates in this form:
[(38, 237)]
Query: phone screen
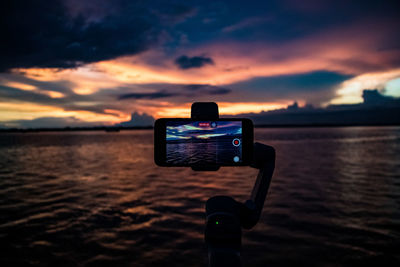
[(203, 142)]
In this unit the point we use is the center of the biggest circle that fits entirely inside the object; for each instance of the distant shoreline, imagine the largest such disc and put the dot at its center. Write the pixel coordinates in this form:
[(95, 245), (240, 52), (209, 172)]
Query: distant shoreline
[(117, 129)]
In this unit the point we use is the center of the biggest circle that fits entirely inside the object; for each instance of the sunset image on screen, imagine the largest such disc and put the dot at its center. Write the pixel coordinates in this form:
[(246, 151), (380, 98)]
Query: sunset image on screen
[(202, 142)]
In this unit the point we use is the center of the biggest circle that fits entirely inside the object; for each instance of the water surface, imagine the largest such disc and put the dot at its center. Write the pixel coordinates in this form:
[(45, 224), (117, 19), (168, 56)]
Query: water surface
[(91, 198)]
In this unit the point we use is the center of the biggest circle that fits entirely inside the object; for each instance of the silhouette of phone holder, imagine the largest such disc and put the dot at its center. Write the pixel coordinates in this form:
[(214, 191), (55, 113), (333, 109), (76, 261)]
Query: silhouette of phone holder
[(225, 216)]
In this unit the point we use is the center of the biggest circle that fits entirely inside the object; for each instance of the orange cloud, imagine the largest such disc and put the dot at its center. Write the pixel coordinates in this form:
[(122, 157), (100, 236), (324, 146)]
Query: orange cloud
[(348, 51), (29, 111), (19, 85), (350, 91), (225, 108), (234, 62)]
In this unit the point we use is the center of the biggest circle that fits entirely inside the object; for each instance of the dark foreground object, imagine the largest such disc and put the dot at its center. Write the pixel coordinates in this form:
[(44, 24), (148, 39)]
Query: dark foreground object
[(226, 217)]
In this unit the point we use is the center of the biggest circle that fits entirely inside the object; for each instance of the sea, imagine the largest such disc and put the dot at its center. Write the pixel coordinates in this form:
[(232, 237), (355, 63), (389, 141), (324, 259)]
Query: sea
[(96, 198)]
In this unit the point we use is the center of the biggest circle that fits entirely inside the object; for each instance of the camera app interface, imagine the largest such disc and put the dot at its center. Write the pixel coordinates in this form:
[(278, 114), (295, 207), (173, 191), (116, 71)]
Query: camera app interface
[(204, 142)]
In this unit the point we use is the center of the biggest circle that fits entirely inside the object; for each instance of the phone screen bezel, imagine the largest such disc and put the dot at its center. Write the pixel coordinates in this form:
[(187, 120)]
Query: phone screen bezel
[(160, 141)]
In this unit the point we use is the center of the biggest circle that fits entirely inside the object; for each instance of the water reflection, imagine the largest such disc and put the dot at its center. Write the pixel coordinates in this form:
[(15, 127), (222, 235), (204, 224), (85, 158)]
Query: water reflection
[(90, 198)]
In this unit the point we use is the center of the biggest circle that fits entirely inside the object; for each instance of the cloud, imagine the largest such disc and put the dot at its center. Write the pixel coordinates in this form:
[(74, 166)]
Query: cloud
[(350, 91), (350, 50), (311, 81), (265, 56), (155, 95), (176, 90), (246, 24), (16, 88), (138, 120), (376, 109), (50, 122), (219, 91), (289, 20), (35, 96), (373, 97), (313, 87), (207, 89), (66, 34), (184, 62)]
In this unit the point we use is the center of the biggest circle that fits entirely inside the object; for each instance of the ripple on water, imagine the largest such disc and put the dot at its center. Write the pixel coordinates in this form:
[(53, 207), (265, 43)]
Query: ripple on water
[(93, 198)]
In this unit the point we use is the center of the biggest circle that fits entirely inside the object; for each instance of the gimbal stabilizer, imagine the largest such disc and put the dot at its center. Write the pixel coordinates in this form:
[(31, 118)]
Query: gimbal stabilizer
[(226, 216)]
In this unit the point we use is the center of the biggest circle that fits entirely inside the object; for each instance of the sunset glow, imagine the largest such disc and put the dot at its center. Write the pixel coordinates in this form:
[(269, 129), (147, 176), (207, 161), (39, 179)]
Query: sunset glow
[(247, 64), (350, 91)]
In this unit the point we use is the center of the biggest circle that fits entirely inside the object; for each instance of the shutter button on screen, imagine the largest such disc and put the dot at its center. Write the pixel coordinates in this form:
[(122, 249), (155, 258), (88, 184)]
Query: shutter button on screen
[(236, 142)]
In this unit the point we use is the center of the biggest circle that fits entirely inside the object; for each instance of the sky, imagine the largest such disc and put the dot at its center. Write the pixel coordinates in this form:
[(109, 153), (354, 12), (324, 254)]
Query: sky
[(78, 63)]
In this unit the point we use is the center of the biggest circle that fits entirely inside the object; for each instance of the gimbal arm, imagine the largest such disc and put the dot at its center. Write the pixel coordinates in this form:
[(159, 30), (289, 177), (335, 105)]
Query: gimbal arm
[(264, 161)]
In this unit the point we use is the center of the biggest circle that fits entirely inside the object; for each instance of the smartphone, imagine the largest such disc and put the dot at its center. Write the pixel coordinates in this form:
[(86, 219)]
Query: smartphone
[(187, 142)]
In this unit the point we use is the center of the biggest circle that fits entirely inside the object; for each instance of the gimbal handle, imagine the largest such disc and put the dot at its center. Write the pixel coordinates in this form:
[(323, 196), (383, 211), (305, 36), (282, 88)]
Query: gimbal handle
[(226, 216)]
